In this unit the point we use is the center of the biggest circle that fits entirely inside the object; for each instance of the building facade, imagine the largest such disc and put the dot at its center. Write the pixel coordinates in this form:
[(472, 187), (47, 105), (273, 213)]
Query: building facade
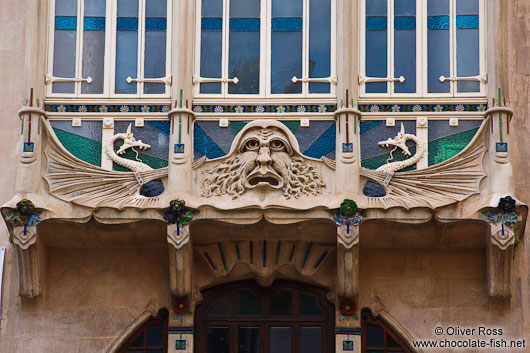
[(289, 176)]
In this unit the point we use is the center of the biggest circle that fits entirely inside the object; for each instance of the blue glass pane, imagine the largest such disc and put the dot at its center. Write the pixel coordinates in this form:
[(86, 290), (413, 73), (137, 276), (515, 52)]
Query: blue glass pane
[(286, 61), (287, 8), (287, 24), (245, 8), (438, 7), (404, 7), (319, 87), (212, 24), (155, 8), (66, 23), (319, 43), (311, 340), (405, 22), (127, 24), (212, 8), (211, 58), (93, 61), (438, 22), (155, 24), (210, 87), (127, 8), (94, 23), (467, 58), (467, 22), (438, 60), (65, 7), (405, 60), (126, 60), (376, 7), (244, 24), (155, 60), (243, 62), (467, 7), (376, 23), (95, 8), (64, 60), (376, 60)]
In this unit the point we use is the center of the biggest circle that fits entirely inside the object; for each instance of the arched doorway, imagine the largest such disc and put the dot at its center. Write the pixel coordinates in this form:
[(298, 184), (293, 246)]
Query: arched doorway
[(287, 317)]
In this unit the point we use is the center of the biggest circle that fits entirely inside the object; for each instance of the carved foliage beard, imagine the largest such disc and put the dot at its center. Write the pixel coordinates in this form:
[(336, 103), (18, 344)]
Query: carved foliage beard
[(297, 177)]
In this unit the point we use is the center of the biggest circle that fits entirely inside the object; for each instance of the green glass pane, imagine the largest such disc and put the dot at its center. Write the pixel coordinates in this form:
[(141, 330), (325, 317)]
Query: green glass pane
[(221, 306), (375, 336), (281, 303), (308, 306)]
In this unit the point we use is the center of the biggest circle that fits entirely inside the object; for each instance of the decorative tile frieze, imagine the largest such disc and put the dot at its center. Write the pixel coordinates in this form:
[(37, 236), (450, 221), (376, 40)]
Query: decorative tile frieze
[(103, 108), (259, 108), (409, 108)]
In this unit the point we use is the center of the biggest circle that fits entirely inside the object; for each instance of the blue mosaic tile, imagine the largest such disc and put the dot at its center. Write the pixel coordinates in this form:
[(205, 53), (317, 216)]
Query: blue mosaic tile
[(407, 108), (102, 108), (278, 109)]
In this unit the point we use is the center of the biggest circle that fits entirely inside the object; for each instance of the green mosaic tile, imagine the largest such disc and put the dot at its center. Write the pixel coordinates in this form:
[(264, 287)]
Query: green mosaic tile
[(236, 126), (83, 148), (292, 125), (446, 147)]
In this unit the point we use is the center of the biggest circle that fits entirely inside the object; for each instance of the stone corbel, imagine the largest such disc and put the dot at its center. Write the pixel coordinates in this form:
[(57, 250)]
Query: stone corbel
[(500, 260), (180, 259)]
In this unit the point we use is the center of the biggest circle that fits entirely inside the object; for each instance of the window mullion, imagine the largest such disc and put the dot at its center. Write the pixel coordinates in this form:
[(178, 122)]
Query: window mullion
[(452, 46), (305, 47), (267, 45), (225, 46), (390, 49), (110, 28), (79, 47), (141, 48)]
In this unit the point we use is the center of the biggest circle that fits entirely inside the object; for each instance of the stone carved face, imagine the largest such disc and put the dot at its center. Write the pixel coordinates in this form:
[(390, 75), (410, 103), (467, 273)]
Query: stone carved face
[(263, 156)]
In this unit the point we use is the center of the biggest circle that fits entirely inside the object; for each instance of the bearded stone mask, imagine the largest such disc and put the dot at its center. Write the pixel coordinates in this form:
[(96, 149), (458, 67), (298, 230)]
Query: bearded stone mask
[(265, 157)]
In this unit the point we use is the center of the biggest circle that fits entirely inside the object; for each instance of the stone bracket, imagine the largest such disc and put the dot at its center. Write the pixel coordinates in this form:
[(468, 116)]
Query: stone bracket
[(180, 259), (29, 257), (347, 270), (348, 235), (500, 260)]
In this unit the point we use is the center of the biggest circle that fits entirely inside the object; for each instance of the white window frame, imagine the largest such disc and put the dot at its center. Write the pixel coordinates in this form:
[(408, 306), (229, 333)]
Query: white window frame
[(110, 53), (265, 55), (421, 53)]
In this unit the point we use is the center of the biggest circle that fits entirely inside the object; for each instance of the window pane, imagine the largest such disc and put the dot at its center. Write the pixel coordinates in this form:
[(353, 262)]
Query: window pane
[(218, 339), (310, 340), (308, 306), (281, 303), (64, 58), (375, 336), (95, 8), (139, 342), (248, 340), (438, 45), (94, 47), (155, 335), (211, 44), (319, 43), (155, 44), (280, 339), (244, 52), (467, 44), (286, 45), (249, 304), (221, 306), (391, 343), (126, 46), (376, 44), (405, 45)]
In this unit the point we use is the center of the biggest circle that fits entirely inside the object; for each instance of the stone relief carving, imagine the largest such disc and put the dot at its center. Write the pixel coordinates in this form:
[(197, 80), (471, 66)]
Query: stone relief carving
[(74, 180), (452, 180), (128, 142), (400, 142), (264, 155)]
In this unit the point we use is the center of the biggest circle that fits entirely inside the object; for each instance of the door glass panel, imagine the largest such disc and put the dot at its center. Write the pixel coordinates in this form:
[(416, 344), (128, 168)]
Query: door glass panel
[(248, 340), (218, 339), (391, 343), (375, 336), (249, 304), (280, 339), (308, 306), (154, 335), (311, 340), (281, 303), (221, 306)]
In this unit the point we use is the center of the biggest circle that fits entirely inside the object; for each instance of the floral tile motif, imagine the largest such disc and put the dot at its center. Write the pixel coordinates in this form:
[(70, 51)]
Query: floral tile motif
[(276, 109), (407, 108), (103, 108)]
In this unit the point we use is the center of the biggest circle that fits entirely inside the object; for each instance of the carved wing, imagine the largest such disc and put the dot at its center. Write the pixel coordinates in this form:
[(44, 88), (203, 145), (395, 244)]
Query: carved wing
[(452, 180), (74, 180)]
